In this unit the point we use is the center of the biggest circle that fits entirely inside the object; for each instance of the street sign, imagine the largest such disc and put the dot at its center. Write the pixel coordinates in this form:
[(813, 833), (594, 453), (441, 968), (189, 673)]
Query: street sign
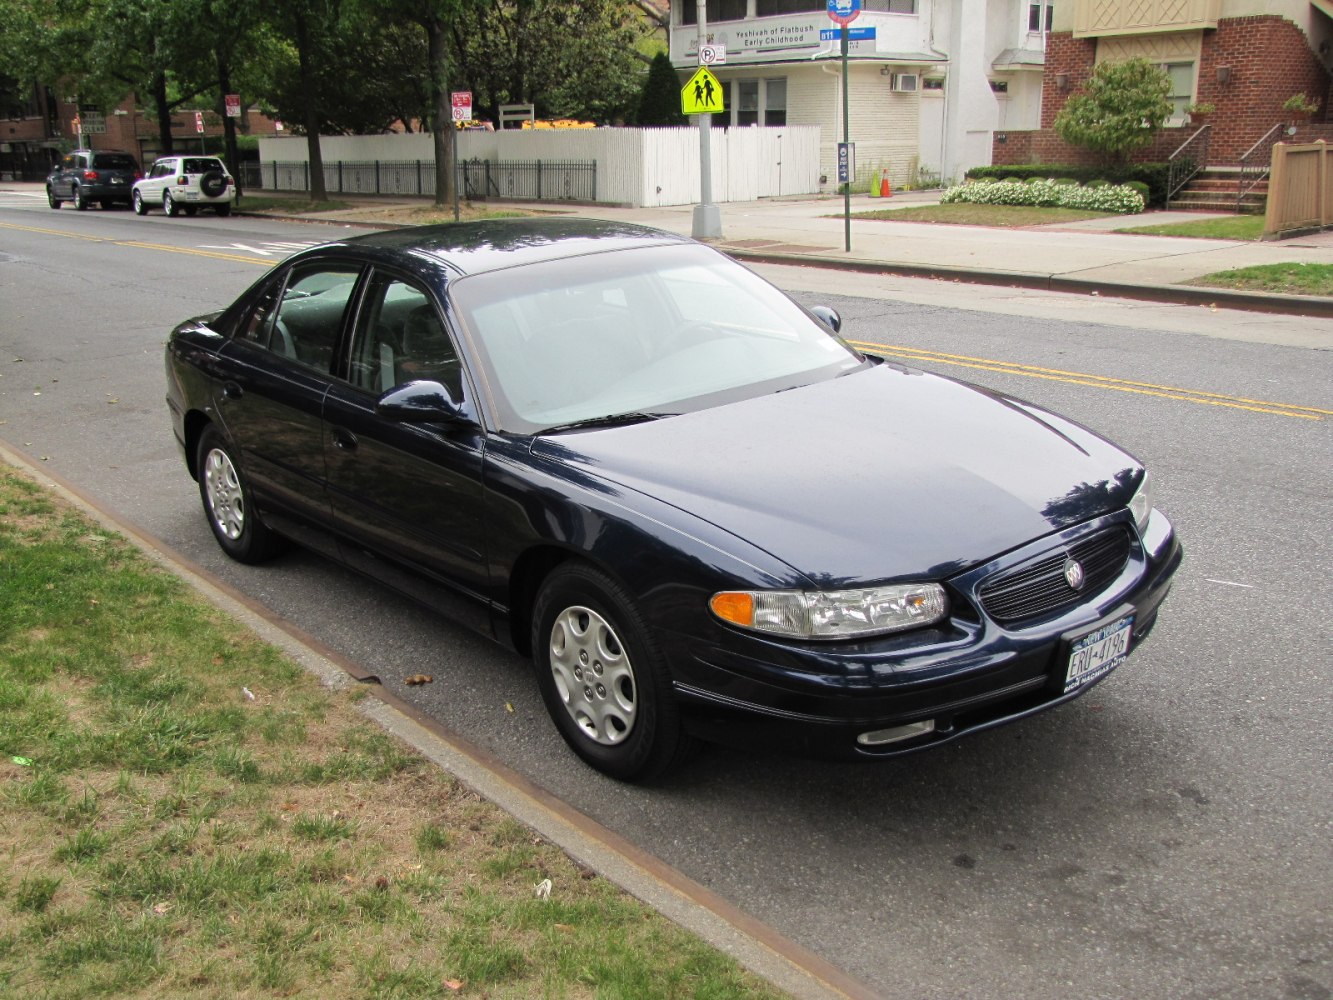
[(846, 162), (462, 105), (199, 122), (233, 103), (712, 55), (844, 11), (702, 95), (853, 34)]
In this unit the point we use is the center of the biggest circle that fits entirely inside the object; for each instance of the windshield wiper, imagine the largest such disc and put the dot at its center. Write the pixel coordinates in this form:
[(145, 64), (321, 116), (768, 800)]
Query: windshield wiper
[(608, 420)]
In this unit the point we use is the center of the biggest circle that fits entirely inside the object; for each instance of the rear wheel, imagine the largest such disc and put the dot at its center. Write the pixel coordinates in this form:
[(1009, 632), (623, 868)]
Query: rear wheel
[(223, 209), (603, 678), (80, 202), (140, 206), (229, 504), (51, 198), (190, 210), (169, 204)]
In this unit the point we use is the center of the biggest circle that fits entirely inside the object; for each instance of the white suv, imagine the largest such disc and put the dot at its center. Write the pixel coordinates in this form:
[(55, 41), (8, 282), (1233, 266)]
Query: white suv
[(183, 183)]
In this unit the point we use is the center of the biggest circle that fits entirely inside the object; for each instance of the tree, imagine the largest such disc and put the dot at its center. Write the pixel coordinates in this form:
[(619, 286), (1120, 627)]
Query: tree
[(659, 104), (1120, 109)]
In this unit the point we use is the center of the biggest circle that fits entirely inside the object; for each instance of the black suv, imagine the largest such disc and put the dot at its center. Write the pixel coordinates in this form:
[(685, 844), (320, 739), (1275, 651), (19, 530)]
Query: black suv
[(86, 176)]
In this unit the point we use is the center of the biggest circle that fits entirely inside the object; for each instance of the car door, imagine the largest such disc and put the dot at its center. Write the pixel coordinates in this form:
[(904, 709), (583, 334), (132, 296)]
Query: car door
[(63, 183), (272, 378), (406, 497)]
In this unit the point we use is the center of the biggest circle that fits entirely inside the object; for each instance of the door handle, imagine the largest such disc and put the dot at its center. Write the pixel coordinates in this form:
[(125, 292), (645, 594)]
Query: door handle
[(230, 390), (344, 439)]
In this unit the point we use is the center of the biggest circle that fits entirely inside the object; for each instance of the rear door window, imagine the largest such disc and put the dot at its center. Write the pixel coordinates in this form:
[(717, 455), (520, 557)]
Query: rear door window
[(198, 165)]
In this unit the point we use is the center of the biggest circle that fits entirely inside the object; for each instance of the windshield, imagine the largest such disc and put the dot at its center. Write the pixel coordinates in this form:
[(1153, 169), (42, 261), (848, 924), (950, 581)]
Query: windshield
[(114, 161), (653, 330)]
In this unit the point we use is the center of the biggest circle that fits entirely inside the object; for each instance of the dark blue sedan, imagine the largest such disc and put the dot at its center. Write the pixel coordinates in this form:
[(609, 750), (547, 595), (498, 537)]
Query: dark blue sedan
[(699, 510)]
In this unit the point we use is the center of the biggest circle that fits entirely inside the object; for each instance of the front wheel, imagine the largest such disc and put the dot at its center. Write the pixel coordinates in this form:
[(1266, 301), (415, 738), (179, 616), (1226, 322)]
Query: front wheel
[(140, 206), (229, 504), (603, 678)]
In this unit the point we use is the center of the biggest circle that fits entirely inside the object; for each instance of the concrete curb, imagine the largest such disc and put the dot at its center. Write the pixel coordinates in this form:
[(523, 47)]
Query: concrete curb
[(1294, 305), (755, 945)]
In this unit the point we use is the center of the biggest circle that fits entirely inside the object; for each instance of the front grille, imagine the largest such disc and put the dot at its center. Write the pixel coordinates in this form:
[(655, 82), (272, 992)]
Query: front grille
[(1040, 588)]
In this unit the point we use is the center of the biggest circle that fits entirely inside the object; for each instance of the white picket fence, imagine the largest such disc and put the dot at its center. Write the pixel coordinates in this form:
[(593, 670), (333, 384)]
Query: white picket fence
[(642, 167)]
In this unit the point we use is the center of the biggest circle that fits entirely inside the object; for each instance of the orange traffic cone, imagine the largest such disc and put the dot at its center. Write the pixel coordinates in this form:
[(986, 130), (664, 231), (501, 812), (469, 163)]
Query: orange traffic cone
[(885, 188)]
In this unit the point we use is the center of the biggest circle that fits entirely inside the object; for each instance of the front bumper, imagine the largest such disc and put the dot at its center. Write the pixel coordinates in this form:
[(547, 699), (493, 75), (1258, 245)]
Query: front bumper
[(912, 690)]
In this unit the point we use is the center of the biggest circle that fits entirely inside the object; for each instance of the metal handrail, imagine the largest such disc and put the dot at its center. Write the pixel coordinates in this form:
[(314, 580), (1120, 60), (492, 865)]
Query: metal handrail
[(1185, 165), (1261, 153)]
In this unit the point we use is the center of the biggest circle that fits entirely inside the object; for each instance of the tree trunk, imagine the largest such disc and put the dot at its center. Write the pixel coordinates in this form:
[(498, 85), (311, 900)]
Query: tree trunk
[(163, 114), (443, 126), (229, 123), (312, 116)]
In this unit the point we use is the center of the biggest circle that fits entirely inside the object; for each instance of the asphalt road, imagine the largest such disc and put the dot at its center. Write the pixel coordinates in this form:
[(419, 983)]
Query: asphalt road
[(1167, 835)]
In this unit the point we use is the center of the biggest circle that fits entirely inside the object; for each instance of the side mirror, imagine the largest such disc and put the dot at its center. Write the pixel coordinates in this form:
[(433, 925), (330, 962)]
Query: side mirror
[(421, 402), (829, 317)]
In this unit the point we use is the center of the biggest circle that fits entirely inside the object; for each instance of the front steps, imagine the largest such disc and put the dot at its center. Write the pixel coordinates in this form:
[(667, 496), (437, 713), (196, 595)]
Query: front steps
[(1213, 189)]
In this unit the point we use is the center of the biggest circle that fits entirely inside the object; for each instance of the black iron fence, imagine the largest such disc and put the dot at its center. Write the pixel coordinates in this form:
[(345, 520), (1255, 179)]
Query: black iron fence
[(477, 179)]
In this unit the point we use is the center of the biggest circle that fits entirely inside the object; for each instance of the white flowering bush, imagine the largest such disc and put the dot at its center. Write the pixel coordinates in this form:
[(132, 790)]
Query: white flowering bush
[(1119, 198)]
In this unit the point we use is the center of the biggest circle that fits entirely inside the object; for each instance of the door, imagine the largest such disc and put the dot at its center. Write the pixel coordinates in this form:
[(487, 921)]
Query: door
[(406, 498), (273, 376)]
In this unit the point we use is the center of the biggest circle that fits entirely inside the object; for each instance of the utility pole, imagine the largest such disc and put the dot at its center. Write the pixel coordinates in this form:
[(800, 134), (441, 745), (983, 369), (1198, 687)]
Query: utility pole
[(707, 218)]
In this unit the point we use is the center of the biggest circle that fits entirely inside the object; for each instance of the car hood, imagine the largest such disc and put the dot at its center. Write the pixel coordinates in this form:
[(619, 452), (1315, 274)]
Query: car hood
[(881, 474)]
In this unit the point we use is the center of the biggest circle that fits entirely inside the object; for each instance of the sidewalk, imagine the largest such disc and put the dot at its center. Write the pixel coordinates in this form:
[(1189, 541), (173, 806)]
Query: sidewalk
[(1081, 257)]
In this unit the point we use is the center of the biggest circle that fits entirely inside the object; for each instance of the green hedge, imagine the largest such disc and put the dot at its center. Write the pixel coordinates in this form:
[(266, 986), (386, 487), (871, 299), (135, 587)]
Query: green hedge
[(1154, 175)]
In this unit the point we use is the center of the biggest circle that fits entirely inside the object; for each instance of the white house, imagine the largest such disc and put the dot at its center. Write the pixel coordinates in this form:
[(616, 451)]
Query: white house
[(928, 80)]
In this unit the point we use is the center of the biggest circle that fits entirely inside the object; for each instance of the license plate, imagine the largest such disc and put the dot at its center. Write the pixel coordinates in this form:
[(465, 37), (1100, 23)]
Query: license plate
[(1098, 653)]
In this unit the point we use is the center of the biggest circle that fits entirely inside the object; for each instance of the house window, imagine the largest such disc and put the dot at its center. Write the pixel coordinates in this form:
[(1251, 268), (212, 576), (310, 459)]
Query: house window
[(776, 8), (1000, 86), (718, 10), (747, 102), (1039, 16), (775, 101), (933, 83), (1182, 86), (887, 6)]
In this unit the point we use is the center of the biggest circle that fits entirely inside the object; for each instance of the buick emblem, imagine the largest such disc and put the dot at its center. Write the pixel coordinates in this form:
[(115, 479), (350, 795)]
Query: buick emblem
[(1074, 575)]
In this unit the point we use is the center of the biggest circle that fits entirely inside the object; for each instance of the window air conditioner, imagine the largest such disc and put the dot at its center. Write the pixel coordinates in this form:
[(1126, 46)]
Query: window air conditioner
[(905, 83)]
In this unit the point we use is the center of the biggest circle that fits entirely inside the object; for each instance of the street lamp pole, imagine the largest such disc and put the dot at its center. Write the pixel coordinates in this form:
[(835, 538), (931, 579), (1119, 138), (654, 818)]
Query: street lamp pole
[(707, 218)]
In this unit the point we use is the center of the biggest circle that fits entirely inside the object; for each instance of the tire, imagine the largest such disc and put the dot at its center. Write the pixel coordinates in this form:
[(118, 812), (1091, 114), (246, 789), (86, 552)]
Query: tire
[(191, 210), (51, 198), (603, 678), (212, 184), (80, 202), (140, 206), (169, 205), (223, 209), (228, 503)]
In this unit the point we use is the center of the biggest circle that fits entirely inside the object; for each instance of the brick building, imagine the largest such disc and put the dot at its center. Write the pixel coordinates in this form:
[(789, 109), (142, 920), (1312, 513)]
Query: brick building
[(1244, 58), (50, 125)]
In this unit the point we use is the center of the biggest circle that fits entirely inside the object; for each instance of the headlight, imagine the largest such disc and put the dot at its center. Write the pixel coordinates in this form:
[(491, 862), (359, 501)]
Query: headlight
[(1140, 505), (833, 614)]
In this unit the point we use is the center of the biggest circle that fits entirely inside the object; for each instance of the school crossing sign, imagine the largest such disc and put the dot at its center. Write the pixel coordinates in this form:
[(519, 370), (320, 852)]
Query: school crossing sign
[(702, 95)]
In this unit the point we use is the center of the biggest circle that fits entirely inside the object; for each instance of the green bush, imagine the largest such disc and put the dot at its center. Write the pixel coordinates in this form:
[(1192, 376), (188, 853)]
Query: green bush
[(1152, 174), (1012, 180), (1141, 188), (1098, 183)]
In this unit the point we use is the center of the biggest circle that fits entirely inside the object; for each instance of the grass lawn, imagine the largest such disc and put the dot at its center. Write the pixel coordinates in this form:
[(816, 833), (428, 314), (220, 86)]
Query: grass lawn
[(278, 205), (1233, 227), (185, 813), (1291, 279), (1007, 216)]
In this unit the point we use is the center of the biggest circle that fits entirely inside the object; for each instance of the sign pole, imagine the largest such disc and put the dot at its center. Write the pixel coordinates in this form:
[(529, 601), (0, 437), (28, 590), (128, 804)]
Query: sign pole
[(846, 137), (707, 218)]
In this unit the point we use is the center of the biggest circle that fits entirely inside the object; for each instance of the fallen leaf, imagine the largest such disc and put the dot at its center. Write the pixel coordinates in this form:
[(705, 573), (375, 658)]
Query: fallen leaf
[(161, 908), (566, 928), (453, 984), (508, 707), (419, 679)]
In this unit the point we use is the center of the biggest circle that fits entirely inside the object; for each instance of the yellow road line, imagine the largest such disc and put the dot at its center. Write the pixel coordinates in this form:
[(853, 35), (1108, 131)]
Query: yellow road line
[(140, 244), (1099, 381)]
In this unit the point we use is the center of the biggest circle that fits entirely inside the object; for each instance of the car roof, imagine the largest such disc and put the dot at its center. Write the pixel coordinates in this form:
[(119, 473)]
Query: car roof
[(474, 247)]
